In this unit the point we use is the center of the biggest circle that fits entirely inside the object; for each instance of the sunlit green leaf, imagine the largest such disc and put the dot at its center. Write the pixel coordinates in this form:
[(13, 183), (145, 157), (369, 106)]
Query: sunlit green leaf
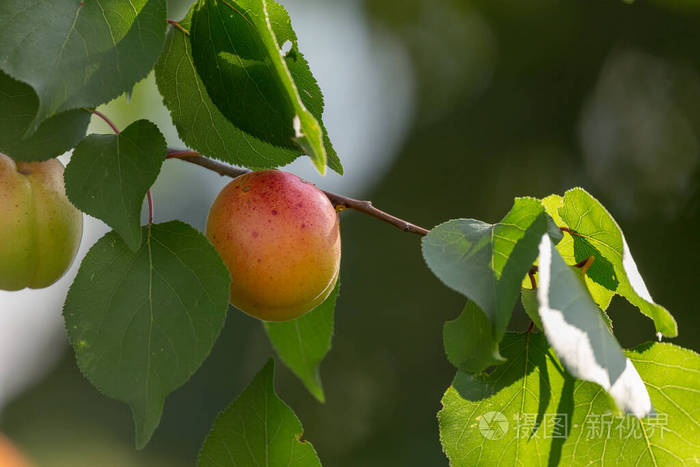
[(499, 418), (108, 176), (596, 233), (600, 278), (199, 122), (142, 322), (528, 298), (237, 46), (302, 343), (580, 337), (531, 412), (79, 53), (487, 262), (258, 429), (599, 437)]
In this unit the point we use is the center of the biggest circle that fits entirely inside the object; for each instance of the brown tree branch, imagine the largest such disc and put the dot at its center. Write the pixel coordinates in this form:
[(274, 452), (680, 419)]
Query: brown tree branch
[(339, 201)]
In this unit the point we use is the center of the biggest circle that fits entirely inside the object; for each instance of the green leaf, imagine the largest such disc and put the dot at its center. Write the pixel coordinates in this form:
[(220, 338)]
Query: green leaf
[(597, 436), (596, 233), (272, 95), (258, 429), (108, 176), (468, 341), (487, 262), (531, 412), (600, 280), (580, 337), (142, 322), (199, 122), (499, 418), (528, 297), (302, 343), (79, 53), (19, 104)]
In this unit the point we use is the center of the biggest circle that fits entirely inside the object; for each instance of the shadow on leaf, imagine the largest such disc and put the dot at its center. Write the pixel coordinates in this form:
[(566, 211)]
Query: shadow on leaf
[(601, 270)]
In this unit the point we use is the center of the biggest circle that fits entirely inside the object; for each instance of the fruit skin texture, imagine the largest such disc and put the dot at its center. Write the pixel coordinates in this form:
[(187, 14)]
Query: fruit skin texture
[(40, 230), (280, 238)]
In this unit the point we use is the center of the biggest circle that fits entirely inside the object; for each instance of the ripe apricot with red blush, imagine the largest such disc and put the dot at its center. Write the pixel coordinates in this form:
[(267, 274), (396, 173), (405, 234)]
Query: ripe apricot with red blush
[(280, 239)]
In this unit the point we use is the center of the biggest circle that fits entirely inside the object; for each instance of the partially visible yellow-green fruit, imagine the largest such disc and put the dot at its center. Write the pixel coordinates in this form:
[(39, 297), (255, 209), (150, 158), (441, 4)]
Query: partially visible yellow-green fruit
[(280, 239), (40, 230)]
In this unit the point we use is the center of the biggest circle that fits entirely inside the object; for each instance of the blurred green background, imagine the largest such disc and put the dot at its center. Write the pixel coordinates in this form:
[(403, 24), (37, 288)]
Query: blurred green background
[(507, 98)]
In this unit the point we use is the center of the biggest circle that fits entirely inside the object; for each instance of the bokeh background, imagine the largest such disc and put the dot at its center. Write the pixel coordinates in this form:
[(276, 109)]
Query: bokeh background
[(439, 109)]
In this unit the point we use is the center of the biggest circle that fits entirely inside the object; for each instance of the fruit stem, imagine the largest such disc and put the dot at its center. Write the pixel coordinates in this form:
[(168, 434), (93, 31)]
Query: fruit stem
[(339, 201)]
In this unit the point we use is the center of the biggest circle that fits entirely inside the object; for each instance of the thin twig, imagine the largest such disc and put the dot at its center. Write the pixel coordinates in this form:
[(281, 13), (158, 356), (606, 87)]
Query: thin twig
[(150, 207), (339, 201), (176, 154), (104, 117)]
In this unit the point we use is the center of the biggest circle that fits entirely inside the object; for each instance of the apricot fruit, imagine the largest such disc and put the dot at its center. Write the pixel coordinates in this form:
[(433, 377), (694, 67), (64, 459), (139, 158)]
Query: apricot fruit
[(10, 456), (40, 230), (280, 239)]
